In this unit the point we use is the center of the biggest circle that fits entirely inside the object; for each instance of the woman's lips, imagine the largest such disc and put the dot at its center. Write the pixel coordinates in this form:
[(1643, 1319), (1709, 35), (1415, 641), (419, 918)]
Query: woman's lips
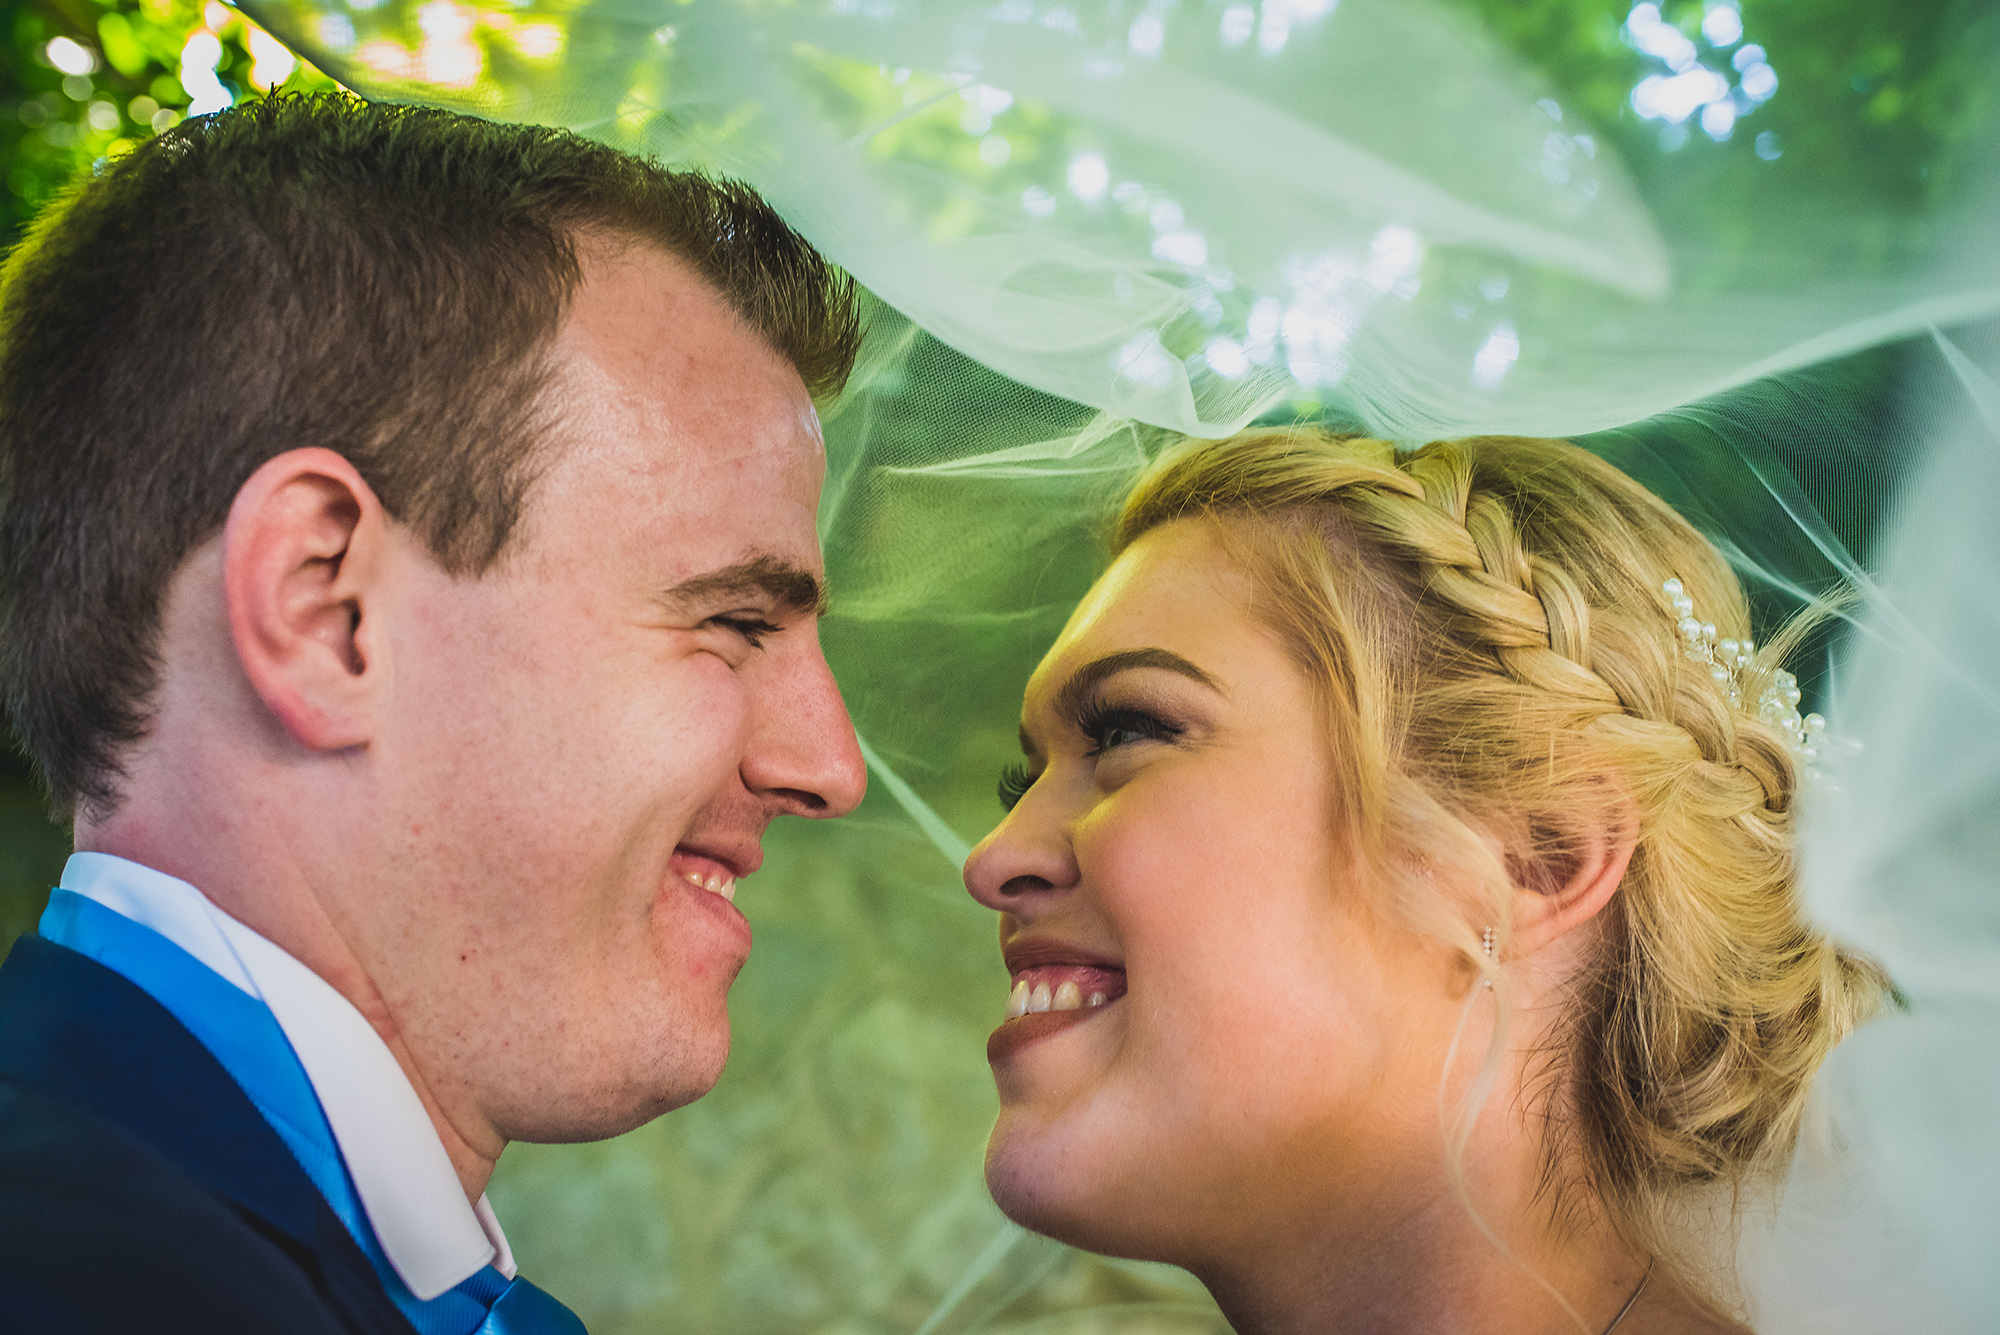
[(1017, 1033), (1063, 987), (1047, 998)]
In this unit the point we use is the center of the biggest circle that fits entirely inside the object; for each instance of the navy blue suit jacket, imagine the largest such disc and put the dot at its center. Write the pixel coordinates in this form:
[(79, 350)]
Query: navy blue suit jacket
[(140, 1190)]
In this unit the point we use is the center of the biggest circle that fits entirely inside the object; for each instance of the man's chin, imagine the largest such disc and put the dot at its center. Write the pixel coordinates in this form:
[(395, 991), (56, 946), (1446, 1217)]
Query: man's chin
[(588, 1110)]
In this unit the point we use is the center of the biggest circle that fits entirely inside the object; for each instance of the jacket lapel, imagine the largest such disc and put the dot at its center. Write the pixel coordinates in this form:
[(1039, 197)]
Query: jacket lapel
[(86, 1035)]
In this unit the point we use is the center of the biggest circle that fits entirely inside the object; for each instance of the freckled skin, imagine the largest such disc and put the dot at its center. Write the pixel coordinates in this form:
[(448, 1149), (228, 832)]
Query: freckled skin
[(486, 874), (605, 731)]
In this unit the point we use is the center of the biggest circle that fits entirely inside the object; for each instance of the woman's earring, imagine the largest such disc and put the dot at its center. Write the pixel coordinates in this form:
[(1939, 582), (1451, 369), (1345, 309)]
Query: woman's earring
[(1486, 939)]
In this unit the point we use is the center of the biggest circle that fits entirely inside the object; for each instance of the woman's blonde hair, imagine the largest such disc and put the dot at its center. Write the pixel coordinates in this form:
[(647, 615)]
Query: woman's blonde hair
[(1484, 622)]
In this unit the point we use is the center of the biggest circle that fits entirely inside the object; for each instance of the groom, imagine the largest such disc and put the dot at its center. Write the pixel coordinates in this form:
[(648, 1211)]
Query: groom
[(409, 581)]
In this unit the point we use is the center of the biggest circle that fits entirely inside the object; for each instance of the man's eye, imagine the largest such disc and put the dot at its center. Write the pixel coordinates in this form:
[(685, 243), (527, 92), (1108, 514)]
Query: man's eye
[(752, 629)]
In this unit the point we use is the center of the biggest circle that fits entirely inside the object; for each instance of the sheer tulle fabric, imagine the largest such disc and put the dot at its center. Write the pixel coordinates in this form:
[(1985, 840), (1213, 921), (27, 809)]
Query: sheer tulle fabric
[(1089, 225)]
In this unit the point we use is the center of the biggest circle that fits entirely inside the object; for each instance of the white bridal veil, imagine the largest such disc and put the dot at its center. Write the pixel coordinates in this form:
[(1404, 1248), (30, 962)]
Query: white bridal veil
[(1747, 249)]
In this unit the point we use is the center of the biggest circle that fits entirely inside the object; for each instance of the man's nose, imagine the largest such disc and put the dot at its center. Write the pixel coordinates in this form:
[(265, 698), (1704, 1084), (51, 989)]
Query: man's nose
[(803, 758)]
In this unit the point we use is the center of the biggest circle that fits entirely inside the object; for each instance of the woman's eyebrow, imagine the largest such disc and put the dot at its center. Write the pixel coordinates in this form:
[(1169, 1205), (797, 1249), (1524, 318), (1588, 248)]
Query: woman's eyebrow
[(1076, 692)]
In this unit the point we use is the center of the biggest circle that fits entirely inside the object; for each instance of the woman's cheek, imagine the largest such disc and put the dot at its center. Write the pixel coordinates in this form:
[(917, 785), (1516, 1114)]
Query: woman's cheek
[(1164, 867)]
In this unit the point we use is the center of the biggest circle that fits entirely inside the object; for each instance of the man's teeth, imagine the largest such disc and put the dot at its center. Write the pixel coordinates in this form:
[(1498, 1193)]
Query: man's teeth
[(715, 883), (1026, 1000)]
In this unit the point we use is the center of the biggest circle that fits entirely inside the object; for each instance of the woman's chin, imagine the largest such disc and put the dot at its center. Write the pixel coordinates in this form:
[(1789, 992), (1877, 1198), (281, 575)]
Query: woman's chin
[(1061, 1190)]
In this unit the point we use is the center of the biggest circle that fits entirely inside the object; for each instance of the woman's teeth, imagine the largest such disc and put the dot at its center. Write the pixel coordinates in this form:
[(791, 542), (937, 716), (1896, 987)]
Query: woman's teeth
[(1026, 1000), (715, 883)]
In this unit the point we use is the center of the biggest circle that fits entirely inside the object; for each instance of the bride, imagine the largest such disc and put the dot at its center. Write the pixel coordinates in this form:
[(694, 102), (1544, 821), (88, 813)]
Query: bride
[(1401, 900)]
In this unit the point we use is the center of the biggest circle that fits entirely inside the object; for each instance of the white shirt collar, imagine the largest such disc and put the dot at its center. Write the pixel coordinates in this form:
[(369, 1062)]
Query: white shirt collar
[(405, 1180)]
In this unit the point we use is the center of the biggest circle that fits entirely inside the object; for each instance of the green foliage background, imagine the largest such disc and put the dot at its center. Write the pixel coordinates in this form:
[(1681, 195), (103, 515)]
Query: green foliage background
[(54, 126)]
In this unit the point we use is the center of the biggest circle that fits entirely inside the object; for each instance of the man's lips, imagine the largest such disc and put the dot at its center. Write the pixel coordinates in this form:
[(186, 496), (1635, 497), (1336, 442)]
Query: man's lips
[(705, 885), (713, 870)]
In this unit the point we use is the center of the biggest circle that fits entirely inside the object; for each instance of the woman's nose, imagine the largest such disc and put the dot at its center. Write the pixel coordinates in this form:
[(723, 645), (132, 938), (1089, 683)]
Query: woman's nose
[(1027, 855)]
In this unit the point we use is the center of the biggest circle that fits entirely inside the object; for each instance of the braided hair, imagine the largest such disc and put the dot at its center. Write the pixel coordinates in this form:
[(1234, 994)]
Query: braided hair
[(1483, 622)]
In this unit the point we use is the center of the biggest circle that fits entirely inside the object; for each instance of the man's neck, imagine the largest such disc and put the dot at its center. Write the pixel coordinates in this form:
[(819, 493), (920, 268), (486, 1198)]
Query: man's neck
[(268, 895)]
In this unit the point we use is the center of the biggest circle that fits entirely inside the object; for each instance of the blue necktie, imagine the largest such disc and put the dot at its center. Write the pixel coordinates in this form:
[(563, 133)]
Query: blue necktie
[(244, 1036), (523, 1309)]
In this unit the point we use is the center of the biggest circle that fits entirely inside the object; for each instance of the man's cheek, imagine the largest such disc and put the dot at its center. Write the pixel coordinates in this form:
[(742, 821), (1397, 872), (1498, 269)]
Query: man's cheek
[(708, 726)]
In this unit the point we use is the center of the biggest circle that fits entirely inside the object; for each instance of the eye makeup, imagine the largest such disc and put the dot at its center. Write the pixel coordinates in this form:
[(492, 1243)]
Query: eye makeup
[(1104, 727)]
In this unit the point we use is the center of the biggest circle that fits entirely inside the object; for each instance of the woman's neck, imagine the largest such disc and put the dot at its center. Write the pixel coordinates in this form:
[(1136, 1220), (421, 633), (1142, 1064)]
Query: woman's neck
[(1384, 1237), (1428, 1267)]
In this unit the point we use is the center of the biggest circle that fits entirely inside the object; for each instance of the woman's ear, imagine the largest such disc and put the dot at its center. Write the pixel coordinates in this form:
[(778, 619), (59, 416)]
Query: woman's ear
[(1570, 875), (301, 549)]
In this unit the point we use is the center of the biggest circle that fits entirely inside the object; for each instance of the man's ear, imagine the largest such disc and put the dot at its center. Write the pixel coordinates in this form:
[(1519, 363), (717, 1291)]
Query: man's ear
[(301, 549), (1569, 879)]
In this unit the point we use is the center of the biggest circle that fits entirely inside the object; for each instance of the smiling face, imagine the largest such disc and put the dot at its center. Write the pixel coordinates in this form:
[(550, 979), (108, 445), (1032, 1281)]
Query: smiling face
[(588, 742), (1268, 1049)]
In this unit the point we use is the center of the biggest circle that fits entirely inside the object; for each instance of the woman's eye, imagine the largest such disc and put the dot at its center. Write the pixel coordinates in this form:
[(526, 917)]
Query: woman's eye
[(1109, 729), (1106, 730)]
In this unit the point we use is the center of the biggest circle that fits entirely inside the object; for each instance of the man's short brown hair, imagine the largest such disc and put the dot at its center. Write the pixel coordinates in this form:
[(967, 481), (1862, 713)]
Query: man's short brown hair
[(383, 281)]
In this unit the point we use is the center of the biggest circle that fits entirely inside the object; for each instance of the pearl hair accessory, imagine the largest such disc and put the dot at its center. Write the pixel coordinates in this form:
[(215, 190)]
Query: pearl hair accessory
[(1777, 707)]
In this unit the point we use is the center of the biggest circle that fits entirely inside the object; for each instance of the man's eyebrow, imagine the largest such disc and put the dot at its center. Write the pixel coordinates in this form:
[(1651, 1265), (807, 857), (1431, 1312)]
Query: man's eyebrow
[(792, 587), (1076, 692)]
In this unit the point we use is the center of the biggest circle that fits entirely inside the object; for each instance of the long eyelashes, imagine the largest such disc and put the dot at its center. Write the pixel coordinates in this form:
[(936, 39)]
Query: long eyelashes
[(1106, 729), (1014, 784)]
